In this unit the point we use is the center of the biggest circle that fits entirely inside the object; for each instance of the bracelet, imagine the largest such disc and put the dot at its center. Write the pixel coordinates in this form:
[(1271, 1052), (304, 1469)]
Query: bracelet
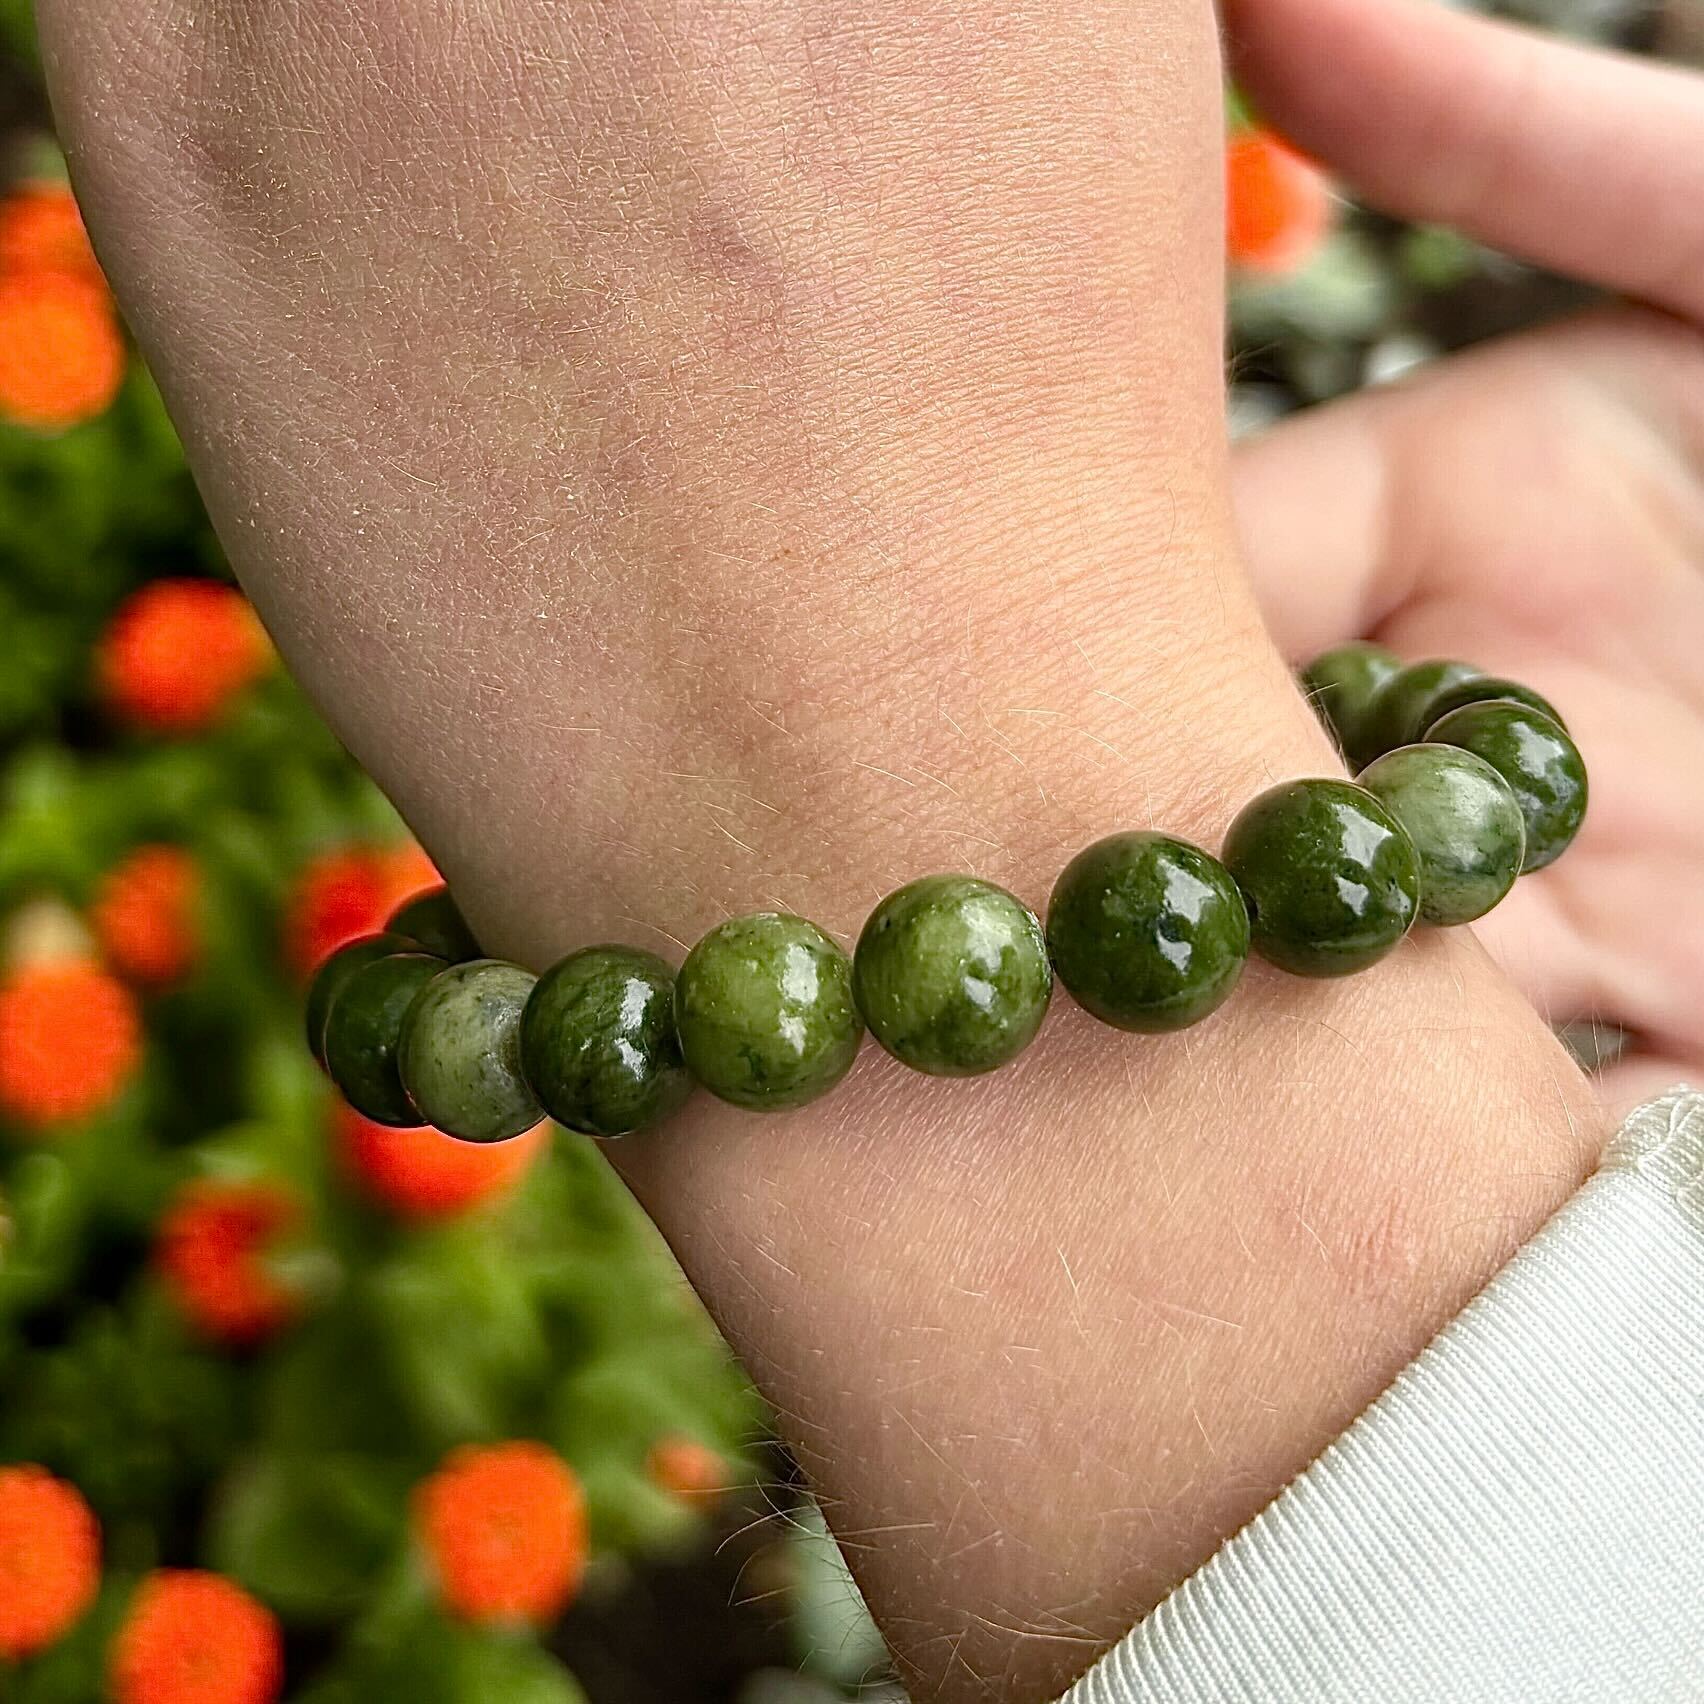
[(1465, 781)]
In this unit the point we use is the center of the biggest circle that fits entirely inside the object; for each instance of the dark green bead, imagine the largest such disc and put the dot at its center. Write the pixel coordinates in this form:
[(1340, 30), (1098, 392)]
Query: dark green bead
[(1401, 704), (765, 1013), (951, 975), (331, 976), (364, 1028), (460, 1054), (1331, 879), (598, 1042), (1341, 684), (1465, 823), (1482, 689), (1537, 759), (435, 921), (1147, 932)]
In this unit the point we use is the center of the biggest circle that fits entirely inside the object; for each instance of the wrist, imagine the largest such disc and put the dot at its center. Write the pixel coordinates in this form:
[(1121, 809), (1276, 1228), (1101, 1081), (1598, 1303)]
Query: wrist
[(1044, 1340)]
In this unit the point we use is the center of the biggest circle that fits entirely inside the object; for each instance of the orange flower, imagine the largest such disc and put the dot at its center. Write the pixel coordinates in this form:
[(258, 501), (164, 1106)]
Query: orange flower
[(687, 1469), (211, 1253), (50, 1559), (196, 1638), (177, 652), (1278, 205), (144, 916), (61, 353), (424, 1174), (41, 230), (344, 894), (505, 1527), (69, 1038)]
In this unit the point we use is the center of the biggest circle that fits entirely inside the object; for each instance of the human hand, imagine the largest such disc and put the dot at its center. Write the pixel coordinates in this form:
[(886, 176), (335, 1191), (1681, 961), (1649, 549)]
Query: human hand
[(1536, 505)]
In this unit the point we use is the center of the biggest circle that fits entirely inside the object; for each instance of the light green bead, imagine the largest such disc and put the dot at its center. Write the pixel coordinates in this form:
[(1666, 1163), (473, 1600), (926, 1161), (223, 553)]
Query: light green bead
[(460, 1052), (951, 975), (1464, 820), (765, 1012)]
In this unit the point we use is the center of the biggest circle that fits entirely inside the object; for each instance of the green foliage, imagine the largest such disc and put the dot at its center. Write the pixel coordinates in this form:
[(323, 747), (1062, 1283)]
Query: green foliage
[(17, 29), (427, 1660)]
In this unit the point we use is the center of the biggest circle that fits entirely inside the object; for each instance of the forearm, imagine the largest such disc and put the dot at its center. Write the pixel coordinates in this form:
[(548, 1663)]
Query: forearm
[(776, 455)]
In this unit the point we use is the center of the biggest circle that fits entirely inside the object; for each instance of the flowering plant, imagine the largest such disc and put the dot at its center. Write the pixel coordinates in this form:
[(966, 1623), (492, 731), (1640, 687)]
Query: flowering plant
[(290, 1404)]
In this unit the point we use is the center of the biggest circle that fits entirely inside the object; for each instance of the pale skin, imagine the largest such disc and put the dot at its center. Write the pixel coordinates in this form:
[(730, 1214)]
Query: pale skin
[(710, 456)]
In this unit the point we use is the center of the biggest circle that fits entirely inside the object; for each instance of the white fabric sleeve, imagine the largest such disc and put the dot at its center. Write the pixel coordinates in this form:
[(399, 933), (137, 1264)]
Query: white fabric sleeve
[(1520, 1517)]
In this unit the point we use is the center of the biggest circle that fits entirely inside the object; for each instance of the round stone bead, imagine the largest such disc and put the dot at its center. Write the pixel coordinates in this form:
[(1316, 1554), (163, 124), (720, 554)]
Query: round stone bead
[(460, 1054), (765, 1013), (1331, 878), (1341, 684), (598, 1042), (435, 921), (1537, 759), (364, 1028), (1147, 932), (951, 975), (1401, 704), (335, 972), (1482, 689), (1465, 823)]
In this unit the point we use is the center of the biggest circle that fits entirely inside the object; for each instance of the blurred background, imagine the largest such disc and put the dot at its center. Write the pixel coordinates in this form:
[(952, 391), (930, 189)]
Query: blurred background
[(291, 1405)]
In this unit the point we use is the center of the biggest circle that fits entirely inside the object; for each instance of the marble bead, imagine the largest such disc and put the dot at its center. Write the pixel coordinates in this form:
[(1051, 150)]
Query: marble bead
[(434, 920), (951, 975), (1341, 684), (363, 1032), (765, 1012), (1147, 932), (598, 1042), (1539, 761), (460, 1053), (1331, 879), (1464, 820)]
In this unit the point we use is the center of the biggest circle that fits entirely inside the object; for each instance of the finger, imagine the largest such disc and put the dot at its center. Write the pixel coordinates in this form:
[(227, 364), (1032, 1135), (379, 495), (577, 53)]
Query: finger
[(1641, 1077), (1584, 161), (1317, 549)]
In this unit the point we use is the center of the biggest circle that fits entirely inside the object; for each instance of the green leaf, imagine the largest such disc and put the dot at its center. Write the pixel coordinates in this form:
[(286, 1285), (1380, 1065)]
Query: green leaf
[(429, 1660), (309, 1535), (461, 1333)]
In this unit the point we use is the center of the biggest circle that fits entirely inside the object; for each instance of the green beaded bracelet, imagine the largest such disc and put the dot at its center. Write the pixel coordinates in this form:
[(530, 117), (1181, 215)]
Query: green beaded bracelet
[(1465, 781)]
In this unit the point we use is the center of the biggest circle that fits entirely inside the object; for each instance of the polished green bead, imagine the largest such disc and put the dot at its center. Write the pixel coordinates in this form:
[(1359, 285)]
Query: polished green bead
[(765, 1012), (1482, 689), (331, 976), (1537, 759), (1331, 879), (1400, 706), (598, 1042), (1147, 932), (951, 975), (364, 1028), (1341, 684), (1464, 820), (460, 1053), (435, 921)]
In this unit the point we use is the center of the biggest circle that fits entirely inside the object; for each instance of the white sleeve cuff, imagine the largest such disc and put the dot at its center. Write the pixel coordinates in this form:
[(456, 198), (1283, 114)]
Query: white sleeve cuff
[(1519, 1517)]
